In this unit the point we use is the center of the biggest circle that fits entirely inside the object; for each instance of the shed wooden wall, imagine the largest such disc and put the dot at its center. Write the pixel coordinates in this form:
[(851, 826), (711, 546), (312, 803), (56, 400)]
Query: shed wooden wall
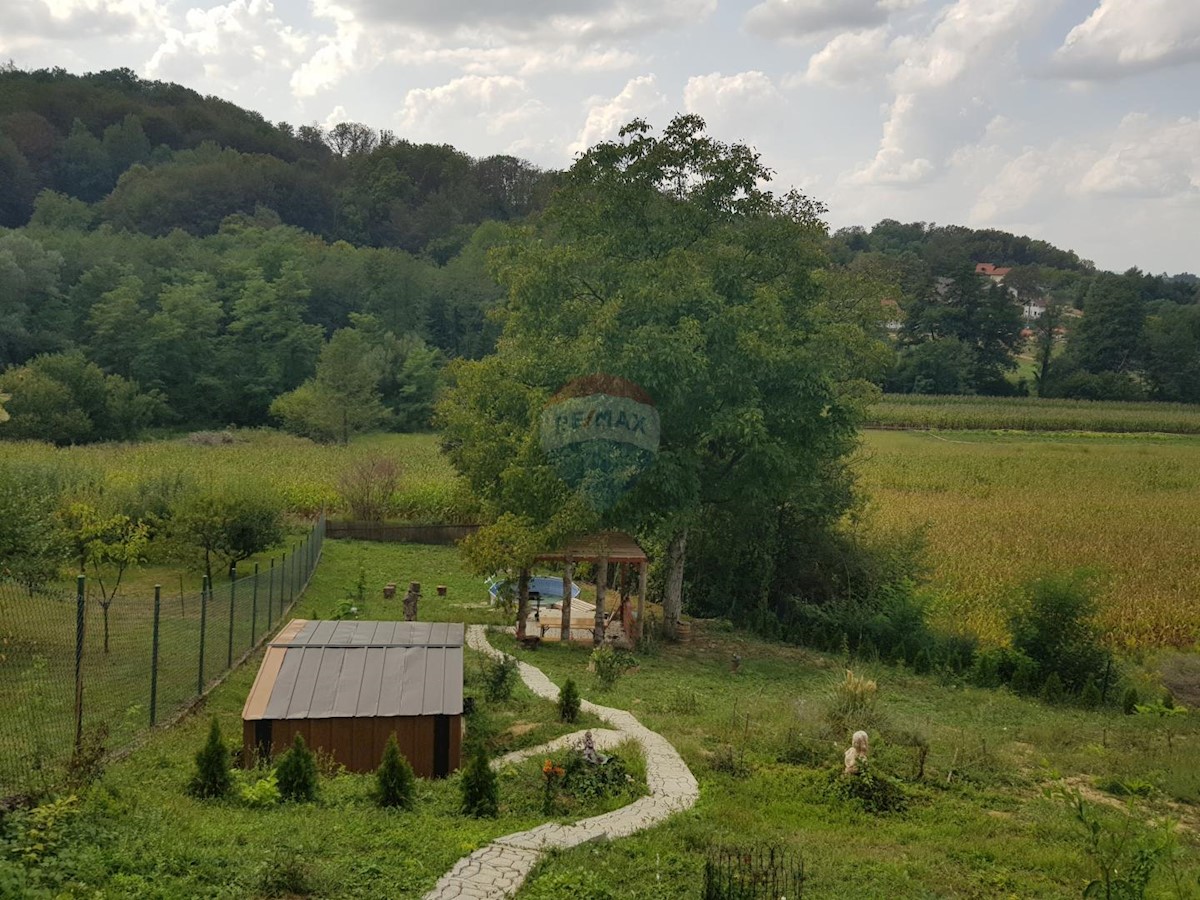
[(358, 743)]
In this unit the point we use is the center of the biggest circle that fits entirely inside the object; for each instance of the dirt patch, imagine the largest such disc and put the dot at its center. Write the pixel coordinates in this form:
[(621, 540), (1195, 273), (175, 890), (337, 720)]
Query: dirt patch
[(1187, 817), (1181, 676), (517, 729)]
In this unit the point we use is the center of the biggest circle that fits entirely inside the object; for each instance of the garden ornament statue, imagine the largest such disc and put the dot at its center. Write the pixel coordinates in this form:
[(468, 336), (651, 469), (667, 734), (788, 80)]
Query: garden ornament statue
[(410, 601), (858, 751)]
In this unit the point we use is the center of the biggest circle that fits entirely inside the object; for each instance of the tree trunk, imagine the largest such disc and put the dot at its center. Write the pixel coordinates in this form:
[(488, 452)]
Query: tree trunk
[(567, 581), (601, 590), (104, 606), (673, 598), (522, 602)]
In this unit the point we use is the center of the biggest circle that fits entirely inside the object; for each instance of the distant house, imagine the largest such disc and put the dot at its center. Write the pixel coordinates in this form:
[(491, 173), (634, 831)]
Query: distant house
[(995, 273), (1034, 309), (891, 308)]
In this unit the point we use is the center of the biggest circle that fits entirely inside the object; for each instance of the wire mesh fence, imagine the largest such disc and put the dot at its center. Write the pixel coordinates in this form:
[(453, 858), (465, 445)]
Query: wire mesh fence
[(759, 873), (74, 675)]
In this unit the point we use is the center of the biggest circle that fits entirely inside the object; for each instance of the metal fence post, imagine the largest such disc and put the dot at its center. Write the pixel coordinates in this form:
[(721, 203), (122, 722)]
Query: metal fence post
[(154, 657), (254, 607), (270, 592), (282, 583), (203, 621), (80, 589), (232, 597)]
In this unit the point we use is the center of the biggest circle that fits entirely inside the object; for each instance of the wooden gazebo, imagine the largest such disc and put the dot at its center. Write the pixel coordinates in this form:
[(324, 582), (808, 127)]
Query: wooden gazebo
[(602, 549)]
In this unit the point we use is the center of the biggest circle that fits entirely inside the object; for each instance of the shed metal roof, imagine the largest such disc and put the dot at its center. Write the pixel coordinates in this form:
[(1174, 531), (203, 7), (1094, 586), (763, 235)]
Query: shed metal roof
[(322, 670)]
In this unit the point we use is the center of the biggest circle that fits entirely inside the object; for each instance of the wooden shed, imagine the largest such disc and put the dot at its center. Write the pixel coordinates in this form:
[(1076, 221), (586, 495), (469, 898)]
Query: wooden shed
[(346, 686)]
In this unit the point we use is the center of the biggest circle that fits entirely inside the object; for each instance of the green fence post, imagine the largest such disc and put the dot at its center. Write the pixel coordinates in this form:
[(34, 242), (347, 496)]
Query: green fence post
[(80, 591), (270, 593), (154, 657), (203, 622), (232, 597), (282, 584), (254, 607), (292, 578)]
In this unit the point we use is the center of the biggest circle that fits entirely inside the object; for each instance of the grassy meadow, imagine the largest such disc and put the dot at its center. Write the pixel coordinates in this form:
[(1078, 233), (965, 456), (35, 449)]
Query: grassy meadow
[(761, 742)]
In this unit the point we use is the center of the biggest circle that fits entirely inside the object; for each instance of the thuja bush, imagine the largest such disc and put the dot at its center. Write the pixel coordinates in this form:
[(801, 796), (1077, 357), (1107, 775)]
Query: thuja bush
[(394, 780), (297, 772), (480, 787), (212, 777), (568, 702)]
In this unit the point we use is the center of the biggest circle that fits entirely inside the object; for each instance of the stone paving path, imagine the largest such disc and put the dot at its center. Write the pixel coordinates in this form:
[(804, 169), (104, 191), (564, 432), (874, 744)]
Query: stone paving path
[(499, 869)]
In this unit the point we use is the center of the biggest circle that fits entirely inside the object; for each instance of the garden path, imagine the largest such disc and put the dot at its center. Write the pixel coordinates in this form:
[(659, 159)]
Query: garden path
[(498, 870)]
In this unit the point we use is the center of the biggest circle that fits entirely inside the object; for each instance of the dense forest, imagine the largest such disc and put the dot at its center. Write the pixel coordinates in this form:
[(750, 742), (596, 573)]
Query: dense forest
[(171, 260)]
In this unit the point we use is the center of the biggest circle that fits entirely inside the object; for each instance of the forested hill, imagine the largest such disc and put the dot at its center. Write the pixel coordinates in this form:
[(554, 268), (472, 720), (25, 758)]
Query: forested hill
[(173, 260), (157, 156)]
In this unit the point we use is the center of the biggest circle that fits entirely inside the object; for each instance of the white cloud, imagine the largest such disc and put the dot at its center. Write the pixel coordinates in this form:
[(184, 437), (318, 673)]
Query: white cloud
[(498, 102), (944, 86), (852, 57), (720, 95), (227, 44), (1148, 159), (29, 23), (533, 21), (638, 99), (337, 55), (798, 19), (1122, 37)]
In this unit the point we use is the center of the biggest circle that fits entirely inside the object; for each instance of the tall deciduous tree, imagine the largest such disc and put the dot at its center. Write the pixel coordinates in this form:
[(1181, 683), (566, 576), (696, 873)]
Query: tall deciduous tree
[(664, 261)]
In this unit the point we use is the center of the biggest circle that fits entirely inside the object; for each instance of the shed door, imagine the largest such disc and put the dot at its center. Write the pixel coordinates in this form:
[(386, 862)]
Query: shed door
[(441, 746)]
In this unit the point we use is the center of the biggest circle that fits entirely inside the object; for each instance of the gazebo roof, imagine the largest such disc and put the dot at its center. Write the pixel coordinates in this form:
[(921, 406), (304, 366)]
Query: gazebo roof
[(616, 545)]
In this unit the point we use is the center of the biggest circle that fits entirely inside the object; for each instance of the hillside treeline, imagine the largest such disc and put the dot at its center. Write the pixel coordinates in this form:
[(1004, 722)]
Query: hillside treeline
[(174, 260), (1087, 334)]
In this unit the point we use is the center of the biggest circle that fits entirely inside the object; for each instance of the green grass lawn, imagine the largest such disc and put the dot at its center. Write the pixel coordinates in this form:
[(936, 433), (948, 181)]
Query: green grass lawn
[(976, 825)]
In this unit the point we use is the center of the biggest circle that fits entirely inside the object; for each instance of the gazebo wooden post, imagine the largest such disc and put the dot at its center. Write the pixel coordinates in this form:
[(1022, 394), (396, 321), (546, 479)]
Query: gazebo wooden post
[(643, 577), (601, 590), (522, 602), (568, 581)]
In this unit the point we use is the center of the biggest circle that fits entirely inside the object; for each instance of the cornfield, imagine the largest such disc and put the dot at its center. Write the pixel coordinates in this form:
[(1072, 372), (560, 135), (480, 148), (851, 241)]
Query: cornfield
[(1031, 414), (1001, 510), (304, 473)]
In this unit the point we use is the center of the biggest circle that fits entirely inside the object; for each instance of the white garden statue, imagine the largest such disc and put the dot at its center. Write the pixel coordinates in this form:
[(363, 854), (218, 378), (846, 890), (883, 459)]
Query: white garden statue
[(858, 750)]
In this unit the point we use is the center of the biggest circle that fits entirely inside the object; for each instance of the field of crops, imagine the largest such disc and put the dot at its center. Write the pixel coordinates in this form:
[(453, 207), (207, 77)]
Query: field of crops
[(304, 473), (1002, 509), (1032, 414)]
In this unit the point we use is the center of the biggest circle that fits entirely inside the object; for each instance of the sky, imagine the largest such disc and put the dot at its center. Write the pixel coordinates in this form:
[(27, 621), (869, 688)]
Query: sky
[(1073, 121)]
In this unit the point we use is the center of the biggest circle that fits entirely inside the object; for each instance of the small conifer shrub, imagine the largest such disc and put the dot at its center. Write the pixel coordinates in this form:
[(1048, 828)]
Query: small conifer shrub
[(568, 702), (394, 778), (1052, 689), (297, 772), (480, 789), (1090, 698), (1129, 702), (212, 778)]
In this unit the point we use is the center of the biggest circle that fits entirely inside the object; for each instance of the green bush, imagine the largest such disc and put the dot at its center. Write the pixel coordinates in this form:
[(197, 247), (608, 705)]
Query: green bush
[(1055, 629), (1027, 676), (568, 702), (263, 793), (297, 773), (1052, 690), (1090, 698), (589, 781), (500, 677), (394, 778), (608, 665), (212, 778), (480, 787), (875, 792), (1129, 702)]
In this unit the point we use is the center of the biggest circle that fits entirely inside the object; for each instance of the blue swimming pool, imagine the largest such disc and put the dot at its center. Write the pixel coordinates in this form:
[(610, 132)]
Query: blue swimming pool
[(549, 589)]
